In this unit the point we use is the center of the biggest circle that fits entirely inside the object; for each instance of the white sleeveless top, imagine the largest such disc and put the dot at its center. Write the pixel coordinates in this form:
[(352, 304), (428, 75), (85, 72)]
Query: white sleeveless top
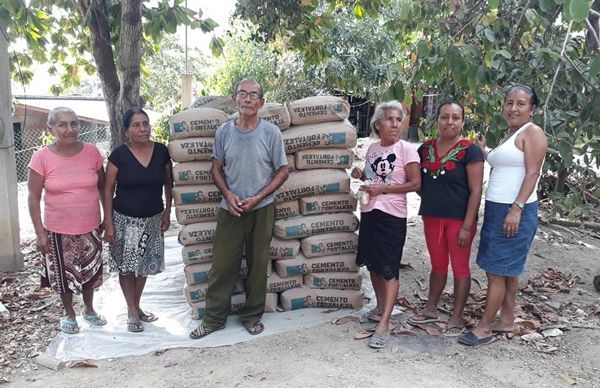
[(508, 172)]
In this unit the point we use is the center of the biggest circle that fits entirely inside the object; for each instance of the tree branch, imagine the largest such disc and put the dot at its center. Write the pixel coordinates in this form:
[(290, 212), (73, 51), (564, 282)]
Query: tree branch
[(562, 54), (593, 33)]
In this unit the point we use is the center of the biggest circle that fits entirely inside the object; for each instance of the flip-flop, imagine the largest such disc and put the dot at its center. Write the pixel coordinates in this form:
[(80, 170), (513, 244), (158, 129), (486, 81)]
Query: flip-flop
[(502, 331), (420, 318), (148, 317), (470, 339), (94, 319), (203, 331), (135, 327), (68, 326), (256, 328), (454, 331), (378, 341)]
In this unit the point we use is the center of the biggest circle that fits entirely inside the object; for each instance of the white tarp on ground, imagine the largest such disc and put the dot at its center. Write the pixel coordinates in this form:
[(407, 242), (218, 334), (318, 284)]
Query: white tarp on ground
[(163, 296)]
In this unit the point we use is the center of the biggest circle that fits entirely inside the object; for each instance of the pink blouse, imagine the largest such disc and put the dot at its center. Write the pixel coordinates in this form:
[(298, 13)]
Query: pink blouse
[(71, 196)]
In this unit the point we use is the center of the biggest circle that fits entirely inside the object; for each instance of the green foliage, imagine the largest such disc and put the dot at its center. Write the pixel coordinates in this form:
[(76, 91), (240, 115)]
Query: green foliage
[(161, 73), (57, 32), (468, 50), (161, 132)]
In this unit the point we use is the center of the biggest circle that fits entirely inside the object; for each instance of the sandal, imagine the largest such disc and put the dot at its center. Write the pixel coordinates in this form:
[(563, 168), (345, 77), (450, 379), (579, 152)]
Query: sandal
[(378, 341), (148, 317), (454, 331), (203, 331), (68, 326), (422, 318), (255, 329), (94, 319), (135, 327)]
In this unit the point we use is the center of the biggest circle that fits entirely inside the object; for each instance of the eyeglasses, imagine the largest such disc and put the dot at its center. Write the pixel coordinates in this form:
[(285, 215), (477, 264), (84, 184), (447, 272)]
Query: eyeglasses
[(244, 94)]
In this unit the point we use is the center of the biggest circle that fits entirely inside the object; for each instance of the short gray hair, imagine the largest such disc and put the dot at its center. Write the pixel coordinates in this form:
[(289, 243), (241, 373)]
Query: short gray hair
[(248, 79), (380, 111), (53, 114)]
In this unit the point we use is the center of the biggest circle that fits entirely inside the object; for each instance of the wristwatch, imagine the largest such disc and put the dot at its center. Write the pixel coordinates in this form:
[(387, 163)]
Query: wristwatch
[(520, 205)]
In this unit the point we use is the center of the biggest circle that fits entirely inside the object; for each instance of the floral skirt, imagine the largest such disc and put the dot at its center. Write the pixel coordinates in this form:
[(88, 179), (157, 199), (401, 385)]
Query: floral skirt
[(139, 248), (74, 263)]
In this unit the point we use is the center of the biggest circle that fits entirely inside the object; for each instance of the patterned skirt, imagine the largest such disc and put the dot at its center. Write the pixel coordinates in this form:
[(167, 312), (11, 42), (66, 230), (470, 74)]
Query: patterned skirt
[(140, 248), (74, 263)]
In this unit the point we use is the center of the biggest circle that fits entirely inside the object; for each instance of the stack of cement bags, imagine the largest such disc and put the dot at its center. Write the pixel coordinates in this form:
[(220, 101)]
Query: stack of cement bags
[(314, 247), (197, 200)]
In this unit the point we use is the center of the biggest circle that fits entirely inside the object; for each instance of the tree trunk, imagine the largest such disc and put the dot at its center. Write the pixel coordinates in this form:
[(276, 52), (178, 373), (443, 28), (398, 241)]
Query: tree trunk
[(130, 57), (124, 93), (561, 178)]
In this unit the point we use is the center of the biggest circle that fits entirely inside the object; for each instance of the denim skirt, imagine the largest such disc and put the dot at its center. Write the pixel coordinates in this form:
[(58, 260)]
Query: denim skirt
[(501, 255)]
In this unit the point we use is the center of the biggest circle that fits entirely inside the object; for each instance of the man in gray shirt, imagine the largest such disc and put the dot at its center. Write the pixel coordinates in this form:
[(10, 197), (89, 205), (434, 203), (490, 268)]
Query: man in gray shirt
[(248, 165)]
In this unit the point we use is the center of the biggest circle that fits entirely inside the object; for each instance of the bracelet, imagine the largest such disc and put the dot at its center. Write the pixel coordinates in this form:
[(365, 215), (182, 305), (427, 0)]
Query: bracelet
[(465, 229)]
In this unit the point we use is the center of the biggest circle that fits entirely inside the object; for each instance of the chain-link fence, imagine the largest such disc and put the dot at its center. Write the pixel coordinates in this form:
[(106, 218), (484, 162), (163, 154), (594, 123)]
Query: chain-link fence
[(30, 141)]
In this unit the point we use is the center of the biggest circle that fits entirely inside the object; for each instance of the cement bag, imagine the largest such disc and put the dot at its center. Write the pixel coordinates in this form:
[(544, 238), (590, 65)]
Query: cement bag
[(275, 283), (197, 292), (198, 253), (286, 209), (197, 273), (318, 109), (327, 203), (298, 298), (203, 232), (292, 267), (271, 302), (192, 173), (346, 299), (324, 158), (283, 249), (272, 112), (199, 308), (345, 262), (337, 280), (202, 212), (329, 244), (315, 224), (340, 134), (291, 162), (194, 194), (196, 122), (187, 150), (223, 103), (307, 183)]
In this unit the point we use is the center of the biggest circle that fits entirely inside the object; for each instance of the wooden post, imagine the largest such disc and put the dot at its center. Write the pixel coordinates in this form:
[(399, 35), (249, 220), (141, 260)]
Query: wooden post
[(10, 255)]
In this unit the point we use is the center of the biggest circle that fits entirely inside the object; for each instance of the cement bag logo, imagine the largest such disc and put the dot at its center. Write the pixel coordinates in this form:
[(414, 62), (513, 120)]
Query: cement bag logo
[(296, 230), (287, 252), (180, 127), (313, 206), (295, 270), (330, 188), (335, 138), (196, 295), (201, 312), (190, 198), (319, 282), (201, 277), (342, 159), (184, 175), (299, 303), (317, 248)]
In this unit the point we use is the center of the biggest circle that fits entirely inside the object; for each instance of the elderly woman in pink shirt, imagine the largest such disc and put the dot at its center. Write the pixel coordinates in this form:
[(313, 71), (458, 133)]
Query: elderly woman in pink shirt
[(70, 173)]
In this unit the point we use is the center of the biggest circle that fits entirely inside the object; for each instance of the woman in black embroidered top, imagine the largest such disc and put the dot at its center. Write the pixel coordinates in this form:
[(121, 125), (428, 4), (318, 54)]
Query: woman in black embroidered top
[(137, 217)]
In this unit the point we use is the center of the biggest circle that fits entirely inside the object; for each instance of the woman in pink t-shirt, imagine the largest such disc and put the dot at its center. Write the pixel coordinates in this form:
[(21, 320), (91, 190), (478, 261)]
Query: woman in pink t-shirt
[(391, 171), (70, 173)]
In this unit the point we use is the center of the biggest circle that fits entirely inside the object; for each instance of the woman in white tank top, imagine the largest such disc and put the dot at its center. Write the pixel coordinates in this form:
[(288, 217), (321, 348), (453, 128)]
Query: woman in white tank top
[(510, 218)]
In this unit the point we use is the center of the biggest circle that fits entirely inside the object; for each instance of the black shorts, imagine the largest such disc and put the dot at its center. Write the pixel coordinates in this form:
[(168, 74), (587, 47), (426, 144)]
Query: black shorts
[(381, 240)]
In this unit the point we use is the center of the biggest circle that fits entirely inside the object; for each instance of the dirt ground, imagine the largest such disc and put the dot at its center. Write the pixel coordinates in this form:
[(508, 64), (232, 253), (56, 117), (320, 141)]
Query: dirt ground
[(328, 354)]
